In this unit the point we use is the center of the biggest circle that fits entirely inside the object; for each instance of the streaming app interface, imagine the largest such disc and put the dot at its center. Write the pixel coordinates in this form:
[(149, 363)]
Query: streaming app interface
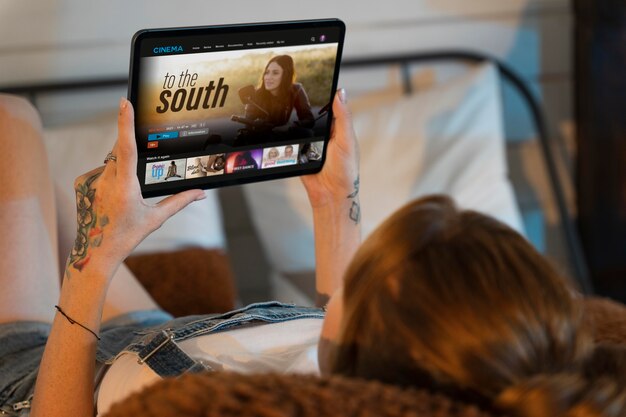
[(219, 106)]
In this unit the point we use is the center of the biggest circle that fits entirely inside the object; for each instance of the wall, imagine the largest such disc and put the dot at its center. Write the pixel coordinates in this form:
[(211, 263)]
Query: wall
[(69, 39)]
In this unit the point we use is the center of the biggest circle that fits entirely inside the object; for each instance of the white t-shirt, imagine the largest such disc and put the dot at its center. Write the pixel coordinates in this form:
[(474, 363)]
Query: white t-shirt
[(285, 347)]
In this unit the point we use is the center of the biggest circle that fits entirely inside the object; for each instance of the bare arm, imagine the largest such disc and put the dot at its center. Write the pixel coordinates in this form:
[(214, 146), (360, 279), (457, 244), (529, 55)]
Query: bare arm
[(337, 231), (334, 197), (113, 219)]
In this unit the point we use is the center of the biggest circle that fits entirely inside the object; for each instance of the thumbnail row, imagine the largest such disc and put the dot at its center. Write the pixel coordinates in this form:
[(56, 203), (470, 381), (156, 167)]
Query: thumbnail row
[(232, 162)]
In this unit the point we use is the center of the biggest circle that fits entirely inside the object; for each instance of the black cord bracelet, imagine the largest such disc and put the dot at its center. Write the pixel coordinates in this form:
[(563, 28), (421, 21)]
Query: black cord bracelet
[(72, 321)]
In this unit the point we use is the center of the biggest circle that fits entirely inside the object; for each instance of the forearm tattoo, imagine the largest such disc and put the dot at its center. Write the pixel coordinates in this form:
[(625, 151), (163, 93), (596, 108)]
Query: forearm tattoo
[(89, 225), (355, 208)]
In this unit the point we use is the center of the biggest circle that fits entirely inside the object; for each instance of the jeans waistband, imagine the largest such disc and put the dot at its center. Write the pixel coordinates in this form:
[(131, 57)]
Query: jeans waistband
[(160, 350)]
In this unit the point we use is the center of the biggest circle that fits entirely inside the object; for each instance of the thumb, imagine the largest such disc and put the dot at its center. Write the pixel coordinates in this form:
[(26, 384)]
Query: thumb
[(126, 147), (343, 130), (341, 111), (173, 204)]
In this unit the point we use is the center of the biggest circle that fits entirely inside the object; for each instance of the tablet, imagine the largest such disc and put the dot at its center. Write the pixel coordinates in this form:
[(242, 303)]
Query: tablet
[(232, 104)]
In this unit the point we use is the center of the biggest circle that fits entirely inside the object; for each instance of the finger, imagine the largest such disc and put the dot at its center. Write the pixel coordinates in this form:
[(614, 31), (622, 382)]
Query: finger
[(113, 166), (342, 127), (341, 111), (343, 136), (175, 203), (126, 147), (110, 167), (110, 170)]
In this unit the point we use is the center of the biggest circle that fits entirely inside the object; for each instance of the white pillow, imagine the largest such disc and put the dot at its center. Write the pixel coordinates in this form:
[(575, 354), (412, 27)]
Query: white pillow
[(76, 149), (448, 139)]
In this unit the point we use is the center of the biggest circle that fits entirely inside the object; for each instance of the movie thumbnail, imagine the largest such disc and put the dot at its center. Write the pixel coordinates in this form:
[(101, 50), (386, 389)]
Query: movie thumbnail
[(311, 152), (205, 166), (243, 160), (278, 156), (165, 171)]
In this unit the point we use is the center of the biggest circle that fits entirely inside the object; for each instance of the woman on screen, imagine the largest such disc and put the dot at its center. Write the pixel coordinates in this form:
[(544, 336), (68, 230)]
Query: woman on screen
[(172, 171), (277, 96)]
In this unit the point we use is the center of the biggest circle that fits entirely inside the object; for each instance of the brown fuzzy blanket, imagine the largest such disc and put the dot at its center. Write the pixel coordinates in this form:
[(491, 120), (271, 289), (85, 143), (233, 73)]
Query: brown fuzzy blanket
[(188, 281), (607, 318)]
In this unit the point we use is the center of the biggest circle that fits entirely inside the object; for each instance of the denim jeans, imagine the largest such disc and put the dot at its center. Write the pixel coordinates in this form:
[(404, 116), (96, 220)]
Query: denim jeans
[(151, 335), (158, 347)]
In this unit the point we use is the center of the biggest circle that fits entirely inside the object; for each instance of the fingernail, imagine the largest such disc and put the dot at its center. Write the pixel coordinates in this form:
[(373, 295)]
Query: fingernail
[(343, 96), (200, 197), (123, 103)]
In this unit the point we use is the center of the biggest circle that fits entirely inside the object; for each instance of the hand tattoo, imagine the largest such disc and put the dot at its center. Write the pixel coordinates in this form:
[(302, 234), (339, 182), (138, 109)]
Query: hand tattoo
[(355, 209), (356, 188), (89, 226)]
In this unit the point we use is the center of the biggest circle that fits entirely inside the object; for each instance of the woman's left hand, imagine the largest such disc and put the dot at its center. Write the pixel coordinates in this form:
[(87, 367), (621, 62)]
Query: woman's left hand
[(338, 181), (113, 218)]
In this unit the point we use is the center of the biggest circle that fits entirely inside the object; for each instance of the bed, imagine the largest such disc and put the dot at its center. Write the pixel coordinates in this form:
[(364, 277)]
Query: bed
[(255, 241)]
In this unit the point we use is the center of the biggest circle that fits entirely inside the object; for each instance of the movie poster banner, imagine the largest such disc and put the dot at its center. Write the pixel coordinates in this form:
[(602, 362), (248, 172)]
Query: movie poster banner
[(190, 102)]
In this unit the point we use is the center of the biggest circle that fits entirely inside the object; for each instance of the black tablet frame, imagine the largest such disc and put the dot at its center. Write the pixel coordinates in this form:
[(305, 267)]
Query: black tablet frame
[(184, 32)]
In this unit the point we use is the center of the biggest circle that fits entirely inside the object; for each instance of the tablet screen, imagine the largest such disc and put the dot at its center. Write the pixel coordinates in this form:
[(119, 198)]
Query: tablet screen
[(232, 104)]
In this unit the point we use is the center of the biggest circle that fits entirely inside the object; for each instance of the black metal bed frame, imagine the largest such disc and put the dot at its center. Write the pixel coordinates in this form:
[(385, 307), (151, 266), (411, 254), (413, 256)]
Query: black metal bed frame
[(405, 61)]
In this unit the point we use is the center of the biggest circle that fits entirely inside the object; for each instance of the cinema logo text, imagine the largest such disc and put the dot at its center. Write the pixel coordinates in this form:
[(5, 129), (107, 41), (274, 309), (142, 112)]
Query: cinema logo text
[(167, 49)]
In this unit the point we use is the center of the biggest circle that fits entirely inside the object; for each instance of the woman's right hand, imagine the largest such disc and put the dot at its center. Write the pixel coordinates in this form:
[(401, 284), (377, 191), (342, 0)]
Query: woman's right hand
[(113, 218), (339, 178)]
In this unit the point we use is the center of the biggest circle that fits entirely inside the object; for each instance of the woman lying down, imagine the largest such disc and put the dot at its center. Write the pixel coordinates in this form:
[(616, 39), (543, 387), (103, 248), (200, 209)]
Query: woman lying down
[(437, 298)]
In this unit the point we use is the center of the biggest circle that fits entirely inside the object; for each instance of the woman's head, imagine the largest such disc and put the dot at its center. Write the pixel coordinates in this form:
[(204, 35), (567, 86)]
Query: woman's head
[(455, 299), (273, 153), (279, 75)]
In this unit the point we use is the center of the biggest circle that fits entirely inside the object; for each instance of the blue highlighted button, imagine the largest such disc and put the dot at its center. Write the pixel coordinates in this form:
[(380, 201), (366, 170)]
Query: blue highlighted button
[(162, 135)]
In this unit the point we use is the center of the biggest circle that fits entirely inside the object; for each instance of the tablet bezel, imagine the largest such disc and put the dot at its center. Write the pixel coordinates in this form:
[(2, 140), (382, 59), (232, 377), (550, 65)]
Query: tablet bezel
[(133, 85)]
